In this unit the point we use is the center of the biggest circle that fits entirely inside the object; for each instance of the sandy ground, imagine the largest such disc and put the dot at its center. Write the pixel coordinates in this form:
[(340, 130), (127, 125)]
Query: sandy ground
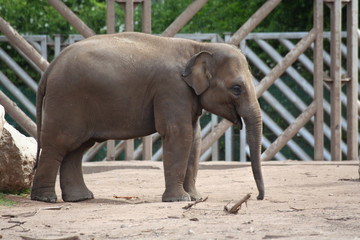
[(315, 200)]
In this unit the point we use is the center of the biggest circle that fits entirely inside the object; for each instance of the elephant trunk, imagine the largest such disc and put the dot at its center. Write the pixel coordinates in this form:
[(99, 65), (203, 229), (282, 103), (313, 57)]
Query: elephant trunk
[(253, 124)]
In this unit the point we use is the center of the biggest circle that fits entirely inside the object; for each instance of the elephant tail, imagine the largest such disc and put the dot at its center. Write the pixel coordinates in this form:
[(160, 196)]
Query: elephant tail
[(39, 105)]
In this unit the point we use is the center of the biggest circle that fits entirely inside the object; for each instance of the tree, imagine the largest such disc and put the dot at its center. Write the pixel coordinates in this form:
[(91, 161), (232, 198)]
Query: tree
[(217, 16)]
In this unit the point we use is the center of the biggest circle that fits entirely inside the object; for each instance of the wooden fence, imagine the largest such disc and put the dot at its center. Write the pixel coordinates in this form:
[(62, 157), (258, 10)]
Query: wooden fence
[(43, 42), (313, 111)]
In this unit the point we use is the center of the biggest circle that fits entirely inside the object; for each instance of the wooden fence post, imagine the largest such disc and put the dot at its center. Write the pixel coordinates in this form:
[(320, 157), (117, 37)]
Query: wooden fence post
[(318, 81), (335, 75), (129, 16), (129, 6), (146, 28), (146, 16), (352, 85), (110, 16)]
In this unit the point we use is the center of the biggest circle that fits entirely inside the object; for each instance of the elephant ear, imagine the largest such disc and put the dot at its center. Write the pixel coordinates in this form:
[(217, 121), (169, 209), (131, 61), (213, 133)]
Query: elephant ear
[(197, 72)]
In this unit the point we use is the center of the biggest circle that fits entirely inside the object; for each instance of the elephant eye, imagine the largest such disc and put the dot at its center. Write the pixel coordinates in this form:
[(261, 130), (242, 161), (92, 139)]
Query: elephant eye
[(236, 90)]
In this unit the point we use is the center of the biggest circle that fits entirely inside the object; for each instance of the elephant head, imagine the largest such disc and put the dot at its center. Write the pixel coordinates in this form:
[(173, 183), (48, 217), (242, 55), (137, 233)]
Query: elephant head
[(222, 80)]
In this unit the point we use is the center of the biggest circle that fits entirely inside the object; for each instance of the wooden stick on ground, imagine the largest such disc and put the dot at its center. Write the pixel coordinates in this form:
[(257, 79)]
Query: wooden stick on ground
[(63, 238), (235, 209), (126, 198), (190, 205)]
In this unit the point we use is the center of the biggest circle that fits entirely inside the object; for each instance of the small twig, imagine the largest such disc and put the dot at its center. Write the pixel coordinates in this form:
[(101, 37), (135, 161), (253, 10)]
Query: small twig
[(53, 208), (297, 209), (338, 218), (126, 198), (190, 205), (235, 209), (275, 236), (17, 224), (26, 214), (292, 209), (64, 238)]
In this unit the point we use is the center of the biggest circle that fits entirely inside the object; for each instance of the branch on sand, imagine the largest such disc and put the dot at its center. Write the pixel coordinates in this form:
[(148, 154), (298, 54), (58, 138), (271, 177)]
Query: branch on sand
[(190, 205), (235, 209)]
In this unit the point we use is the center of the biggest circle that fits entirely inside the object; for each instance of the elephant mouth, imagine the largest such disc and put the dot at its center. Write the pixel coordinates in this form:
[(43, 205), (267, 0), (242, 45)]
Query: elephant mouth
[(238, 121)]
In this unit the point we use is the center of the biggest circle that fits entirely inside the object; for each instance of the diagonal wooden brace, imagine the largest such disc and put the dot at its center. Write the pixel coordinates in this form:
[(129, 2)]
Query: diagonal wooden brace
[(183, 18), (71, 17), (289, 133)]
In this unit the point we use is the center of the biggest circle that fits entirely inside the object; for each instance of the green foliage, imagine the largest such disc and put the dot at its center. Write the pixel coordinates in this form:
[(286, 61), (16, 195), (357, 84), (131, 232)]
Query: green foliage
[(214, 17), (4, 201), (289, 16), (22, 193), (217, 16), (39, 17)]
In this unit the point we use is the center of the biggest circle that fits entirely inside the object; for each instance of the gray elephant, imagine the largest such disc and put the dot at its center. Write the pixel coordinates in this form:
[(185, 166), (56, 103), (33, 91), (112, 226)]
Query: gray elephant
[(129, 85)]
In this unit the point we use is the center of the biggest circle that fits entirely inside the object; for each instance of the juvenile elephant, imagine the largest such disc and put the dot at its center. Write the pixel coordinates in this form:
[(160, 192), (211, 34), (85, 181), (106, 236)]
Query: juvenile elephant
[(129, 85)]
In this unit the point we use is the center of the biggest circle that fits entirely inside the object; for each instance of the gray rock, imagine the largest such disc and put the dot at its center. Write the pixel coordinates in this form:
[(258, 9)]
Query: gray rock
[(17, 158)]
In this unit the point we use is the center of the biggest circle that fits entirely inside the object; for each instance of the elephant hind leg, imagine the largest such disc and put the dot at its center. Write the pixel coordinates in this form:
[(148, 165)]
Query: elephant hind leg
[(43, 188), (71, 177)]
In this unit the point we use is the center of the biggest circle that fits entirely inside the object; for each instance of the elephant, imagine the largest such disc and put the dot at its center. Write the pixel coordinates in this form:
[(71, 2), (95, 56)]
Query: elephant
[(128, 85)]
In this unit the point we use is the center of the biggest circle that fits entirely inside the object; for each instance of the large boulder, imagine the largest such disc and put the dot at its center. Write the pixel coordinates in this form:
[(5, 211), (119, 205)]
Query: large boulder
[(2, 119), (17, 157)]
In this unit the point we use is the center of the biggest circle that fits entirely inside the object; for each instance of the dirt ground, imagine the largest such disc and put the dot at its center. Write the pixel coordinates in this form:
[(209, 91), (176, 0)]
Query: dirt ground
[(312, 200)]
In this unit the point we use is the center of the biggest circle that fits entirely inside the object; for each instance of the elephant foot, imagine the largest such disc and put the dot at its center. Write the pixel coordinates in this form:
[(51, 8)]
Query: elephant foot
[(260, 197), (194, 195), (191, 190), (77, 196), (175, 196), (43, 195)]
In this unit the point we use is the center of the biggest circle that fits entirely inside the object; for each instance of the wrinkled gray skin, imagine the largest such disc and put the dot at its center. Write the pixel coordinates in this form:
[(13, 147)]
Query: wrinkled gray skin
[(129, 85)]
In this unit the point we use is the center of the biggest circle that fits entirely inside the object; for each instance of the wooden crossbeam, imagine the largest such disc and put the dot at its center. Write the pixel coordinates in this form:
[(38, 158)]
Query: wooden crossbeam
[(16, 113), (19, 42)]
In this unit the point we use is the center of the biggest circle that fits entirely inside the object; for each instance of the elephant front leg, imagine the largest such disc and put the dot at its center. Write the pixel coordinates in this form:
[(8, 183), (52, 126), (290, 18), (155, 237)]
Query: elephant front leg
[(176, 150), (193, 164)]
